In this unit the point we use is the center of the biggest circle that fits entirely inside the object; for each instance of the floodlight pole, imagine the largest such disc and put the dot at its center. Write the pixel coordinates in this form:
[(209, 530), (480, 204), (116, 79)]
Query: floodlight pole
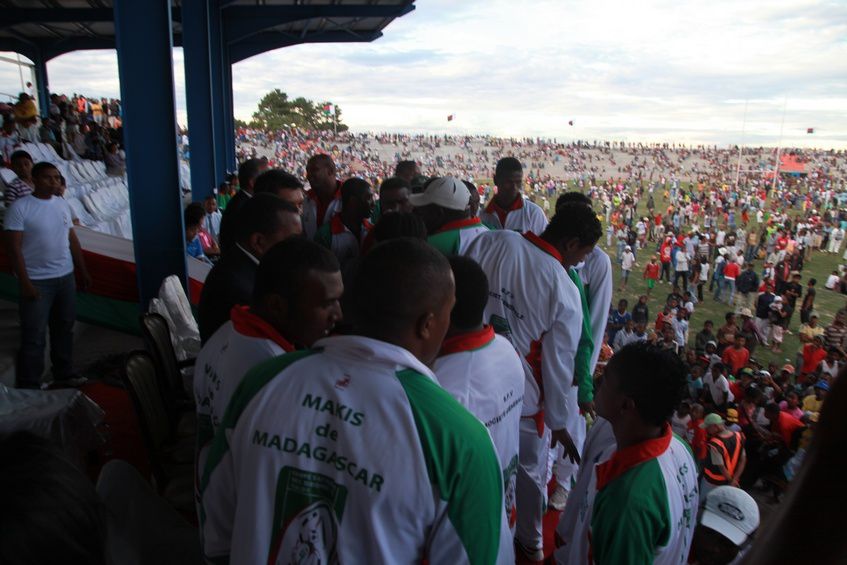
[(740, 145), (779, 146)]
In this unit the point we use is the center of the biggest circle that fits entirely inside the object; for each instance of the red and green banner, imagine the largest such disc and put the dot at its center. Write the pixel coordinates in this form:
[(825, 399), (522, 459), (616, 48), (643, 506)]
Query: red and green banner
[(112, 300)]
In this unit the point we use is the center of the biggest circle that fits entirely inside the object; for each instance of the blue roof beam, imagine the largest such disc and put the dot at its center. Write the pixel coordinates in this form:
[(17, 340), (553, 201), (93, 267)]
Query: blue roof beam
[(245, 21), (15, 16), (268, 42)]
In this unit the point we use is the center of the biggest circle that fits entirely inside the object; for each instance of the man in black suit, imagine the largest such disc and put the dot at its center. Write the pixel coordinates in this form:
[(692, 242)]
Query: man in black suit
[(247, 173), (265, 221)]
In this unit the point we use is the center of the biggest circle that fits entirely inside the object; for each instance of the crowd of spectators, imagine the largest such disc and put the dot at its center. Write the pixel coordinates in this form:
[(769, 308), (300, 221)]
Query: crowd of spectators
[(76, 125), (410, 339)]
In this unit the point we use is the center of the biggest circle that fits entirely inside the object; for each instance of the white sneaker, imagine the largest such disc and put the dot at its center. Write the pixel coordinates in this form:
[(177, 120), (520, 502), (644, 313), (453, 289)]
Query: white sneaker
[(558, 499)]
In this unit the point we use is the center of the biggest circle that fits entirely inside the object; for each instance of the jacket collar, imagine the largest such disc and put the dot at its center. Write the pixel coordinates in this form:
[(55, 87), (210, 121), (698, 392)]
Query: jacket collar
[(459, 224), (543, 245), (249, 324), (625, 459), (492, 207), (360, 348), (468, 341)]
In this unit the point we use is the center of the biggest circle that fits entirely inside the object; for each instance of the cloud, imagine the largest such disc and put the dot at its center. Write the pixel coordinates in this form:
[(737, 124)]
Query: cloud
[(657, 70)]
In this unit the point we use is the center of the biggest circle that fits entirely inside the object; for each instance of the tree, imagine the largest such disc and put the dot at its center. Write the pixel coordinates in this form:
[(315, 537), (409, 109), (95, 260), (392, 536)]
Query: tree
[(276, 112)]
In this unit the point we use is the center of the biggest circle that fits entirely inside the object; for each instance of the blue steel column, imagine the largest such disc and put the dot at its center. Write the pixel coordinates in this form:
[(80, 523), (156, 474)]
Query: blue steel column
[(216, 60), (229, 111), (198, 90), (145, 65), (42, 90)]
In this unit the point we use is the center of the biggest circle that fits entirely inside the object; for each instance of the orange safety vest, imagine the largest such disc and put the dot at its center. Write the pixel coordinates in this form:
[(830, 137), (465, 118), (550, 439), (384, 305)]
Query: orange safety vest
[(713, 474)]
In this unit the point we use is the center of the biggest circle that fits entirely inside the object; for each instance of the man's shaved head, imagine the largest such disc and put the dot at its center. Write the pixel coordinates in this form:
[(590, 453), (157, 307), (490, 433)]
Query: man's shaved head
[(403, 294)]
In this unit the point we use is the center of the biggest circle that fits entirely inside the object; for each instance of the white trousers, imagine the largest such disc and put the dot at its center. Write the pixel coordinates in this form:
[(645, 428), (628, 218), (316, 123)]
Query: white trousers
[(563, 468), (531, 484)]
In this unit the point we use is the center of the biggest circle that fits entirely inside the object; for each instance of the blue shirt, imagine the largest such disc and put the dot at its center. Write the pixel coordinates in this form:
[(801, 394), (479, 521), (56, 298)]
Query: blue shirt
[(617, 318), (195, 249)]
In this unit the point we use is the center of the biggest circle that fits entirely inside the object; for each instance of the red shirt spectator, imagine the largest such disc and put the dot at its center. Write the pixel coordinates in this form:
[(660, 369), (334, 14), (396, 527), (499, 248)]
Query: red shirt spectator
[(813, 354), (785, 426), (732, 270), (698, 444), (736, 358)]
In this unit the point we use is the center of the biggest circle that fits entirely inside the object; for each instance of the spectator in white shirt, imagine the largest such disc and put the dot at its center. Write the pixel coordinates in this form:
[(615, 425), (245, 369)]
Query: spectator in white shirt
[(680, 327), (44, 252), (627, 263)]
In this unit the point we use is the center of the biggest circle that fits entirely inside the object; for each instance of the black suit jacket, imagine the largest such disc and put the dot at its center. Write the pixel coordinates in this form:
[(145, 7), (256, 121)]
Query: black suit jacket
[(229, 283), (226, 238)]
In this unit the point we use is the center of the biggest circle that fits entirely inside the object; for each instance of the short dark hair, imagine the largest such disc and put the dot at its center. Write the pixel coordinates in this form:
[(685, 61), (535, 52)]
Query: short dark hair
[(394, 183), (405, 167), (194, 214), (282, 268), (322, 157), (42, 166), (260, 214), (508, 165), (249, 170), (20, 154), (398, 281), (572, 196), (400, 224), (813, 282), (575, 220), (653, 377), (728, 315), (50, 512), (471, 293), (276, 179), (354, 187)]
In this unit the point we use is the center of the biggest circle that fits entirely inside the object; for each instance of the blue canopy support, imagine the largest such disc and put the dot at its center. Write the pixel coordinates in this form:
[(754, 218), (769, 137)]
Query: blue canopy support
[(215, 35), (216, 90), (41, 85), (197, 54), (143, 36)]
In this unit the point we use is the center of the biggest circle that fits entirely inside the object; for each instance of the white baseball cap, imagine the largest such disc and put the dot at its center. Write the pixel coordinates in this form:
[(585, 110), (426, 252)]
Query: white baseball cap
[(732, 513), (447, 192)]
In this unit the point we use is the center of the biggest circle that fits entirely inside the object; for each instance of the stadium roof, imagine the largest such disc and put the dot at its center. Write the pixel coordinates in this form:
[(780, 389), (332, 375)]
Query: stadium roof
[(49, 28)]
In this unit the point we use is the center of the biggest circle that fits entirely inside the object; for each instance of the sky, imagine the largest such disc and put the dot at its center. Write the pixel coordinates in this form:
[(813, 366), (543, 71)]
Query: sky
[(717, 71)]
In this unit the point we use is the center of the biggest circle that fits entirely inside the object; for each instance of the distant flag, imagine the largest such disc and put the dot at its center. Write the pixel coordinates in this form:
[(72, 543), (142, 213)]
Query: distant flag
[(329, 110), (451, 117), (810, 130), (570, 122)]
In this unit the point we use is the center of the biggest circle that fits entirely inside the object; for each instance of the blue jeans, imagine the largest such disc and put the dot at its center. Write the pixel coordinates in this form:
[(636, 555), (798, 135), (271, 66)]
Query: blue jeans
[(55, 308), (730, 285), (719, 282)]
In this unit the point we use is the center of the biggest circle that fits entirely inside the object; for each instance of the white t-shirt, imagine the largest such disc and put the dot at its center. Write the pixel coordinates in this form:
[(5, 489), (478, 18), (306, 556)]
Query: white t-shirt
[(832, 282), (718, 387), (484, 373), (627, 261), (681, 261), (46, 225)]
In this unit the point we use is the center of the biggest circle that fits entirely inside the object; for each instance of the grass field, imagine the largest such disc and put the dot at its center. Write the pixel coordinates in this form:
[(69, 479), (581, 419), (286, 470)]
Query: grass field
[(827, 302)]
